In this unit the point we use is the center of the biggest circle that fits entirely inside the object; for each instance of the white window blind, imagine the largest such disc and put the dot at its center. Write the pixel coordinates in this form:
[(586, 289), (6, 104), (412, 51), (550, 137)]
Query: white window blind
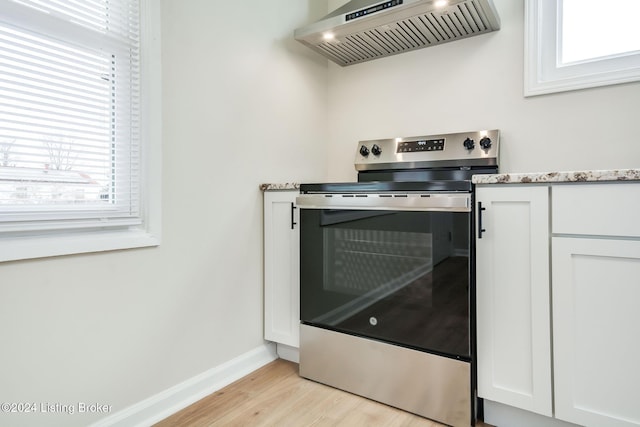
[(69, 114)]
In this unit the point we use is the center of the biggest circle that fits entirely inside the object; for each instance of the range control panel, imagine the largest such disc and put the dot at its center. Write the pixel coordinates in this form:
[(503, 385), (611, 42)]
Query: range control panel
[(420, 145), (464, 149)]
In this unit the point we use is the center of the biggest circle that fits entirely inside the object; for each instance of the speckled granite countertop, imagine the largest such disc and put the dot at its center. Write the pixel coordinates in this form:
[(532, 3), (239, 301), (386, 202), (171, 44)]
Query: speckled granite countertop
[(557, 177), (280, 186), (519, 178)]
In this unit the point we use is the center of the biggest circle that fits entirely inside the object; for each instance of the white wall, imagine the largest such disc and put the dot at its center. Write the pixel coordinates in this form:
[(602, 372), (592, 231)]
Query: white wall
[(474, 84), (243, 104)]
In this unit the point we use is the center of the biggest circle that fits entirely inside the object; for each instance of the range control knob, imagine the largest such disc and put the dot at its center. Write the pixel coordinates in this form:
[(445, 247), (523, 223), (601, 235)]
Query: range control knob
[(364, 150), (485, 143), (376, 150), (469, 144)]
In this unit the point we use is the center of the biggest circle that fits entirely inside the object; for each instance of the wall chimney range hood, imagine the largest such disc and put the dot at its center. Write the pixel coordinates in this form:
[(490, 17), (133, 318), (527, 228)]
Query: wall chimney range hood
[(363, 30)]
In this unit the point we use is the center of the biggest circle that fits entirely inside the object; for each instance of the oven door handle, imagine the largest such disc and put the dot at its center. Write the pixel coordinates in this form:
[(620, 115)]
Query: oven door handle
[(447, 202)]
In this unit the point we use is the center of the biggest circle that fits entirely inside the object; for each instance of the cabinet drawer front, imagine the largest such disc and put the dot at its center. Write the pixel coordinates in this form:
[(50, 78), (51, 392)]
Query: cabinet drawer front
[(596, 209)]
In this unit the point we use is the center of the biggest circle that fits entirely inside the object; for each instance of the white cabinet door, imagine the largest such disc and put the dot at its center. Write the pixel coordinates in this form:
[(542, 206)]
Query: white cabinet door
[(281, 268), (513, 304), (596, 343)]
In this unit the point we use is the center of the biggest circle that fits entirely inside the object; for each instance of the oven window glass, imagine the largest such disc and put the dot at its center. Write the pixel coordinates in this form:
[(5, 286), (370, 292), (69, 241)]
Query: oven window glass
[(400, 277)]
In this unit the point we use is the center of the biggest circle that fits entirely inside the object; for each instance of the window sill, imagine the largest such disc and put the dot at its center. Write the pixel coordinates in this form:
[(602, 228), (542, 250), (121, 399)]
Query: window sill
[(20, 248)]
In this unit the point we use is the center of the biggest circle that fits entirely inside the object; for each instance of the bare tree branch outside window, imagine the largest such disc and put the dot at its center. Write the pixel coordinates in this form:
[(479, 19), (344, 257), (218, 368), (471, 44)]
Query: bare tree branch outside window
[(61, 153), (5, 153)]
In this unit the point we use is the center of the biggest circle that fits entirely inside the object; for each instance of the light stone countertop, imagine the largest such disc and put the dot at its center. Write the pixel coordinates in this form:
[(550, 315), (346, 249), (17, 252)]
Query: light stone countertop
[(519, 178), (280, 186), (557, 177)]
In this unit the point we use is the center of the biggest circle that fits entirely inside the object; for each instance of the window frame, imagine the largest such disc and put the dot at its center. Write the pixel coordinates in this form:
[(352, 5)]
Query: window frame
[(543, 75), (68, 241)]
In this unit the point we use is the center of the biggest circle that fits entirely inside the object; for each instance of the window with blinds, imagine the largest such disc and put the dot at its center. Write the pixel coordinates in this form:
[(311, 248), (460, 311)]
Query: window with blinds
[(69, 114)]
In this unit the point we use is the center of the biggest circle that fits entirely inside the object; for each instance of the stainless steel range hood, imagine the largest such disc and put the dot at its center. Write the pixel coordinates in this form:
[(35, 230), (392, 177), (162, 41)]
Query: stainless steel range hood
[(363, 30)]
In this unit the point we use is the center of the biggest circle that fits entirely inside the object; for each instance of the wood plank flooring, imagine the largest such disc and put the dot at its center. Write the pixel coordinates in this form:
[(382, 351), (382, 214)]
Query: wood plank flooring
[(276, 396)]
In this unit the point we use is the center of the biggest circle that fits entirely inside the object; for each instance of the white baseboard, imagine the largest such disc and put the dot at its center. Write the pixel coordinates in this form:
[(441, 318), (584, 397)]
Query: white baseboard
[(166, 403)]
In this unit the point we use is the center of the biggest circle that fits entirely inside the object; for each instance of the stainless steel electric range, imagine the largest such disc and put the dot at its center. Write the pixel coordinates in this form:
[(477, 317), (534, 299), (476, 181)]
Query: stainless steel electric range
[(387, 289)]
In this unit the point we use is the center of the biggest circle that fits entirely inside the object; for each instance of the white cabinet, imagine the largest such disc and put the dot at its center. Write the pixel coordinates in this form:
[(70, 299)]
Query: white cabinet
[(281, 272), (596, 289), (588, 310), (596, 345), (513, 322)]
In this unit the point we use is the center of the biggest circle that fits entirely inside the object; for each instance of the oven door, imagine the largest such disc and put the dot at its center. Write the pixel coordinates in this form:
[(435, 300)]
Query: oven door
[(389, 267)]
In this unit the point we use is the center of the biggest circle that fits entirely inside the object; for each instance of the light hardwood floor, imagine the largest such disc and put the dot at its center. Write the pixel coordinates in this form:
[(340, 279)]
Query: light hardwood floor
[(276, 396)]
